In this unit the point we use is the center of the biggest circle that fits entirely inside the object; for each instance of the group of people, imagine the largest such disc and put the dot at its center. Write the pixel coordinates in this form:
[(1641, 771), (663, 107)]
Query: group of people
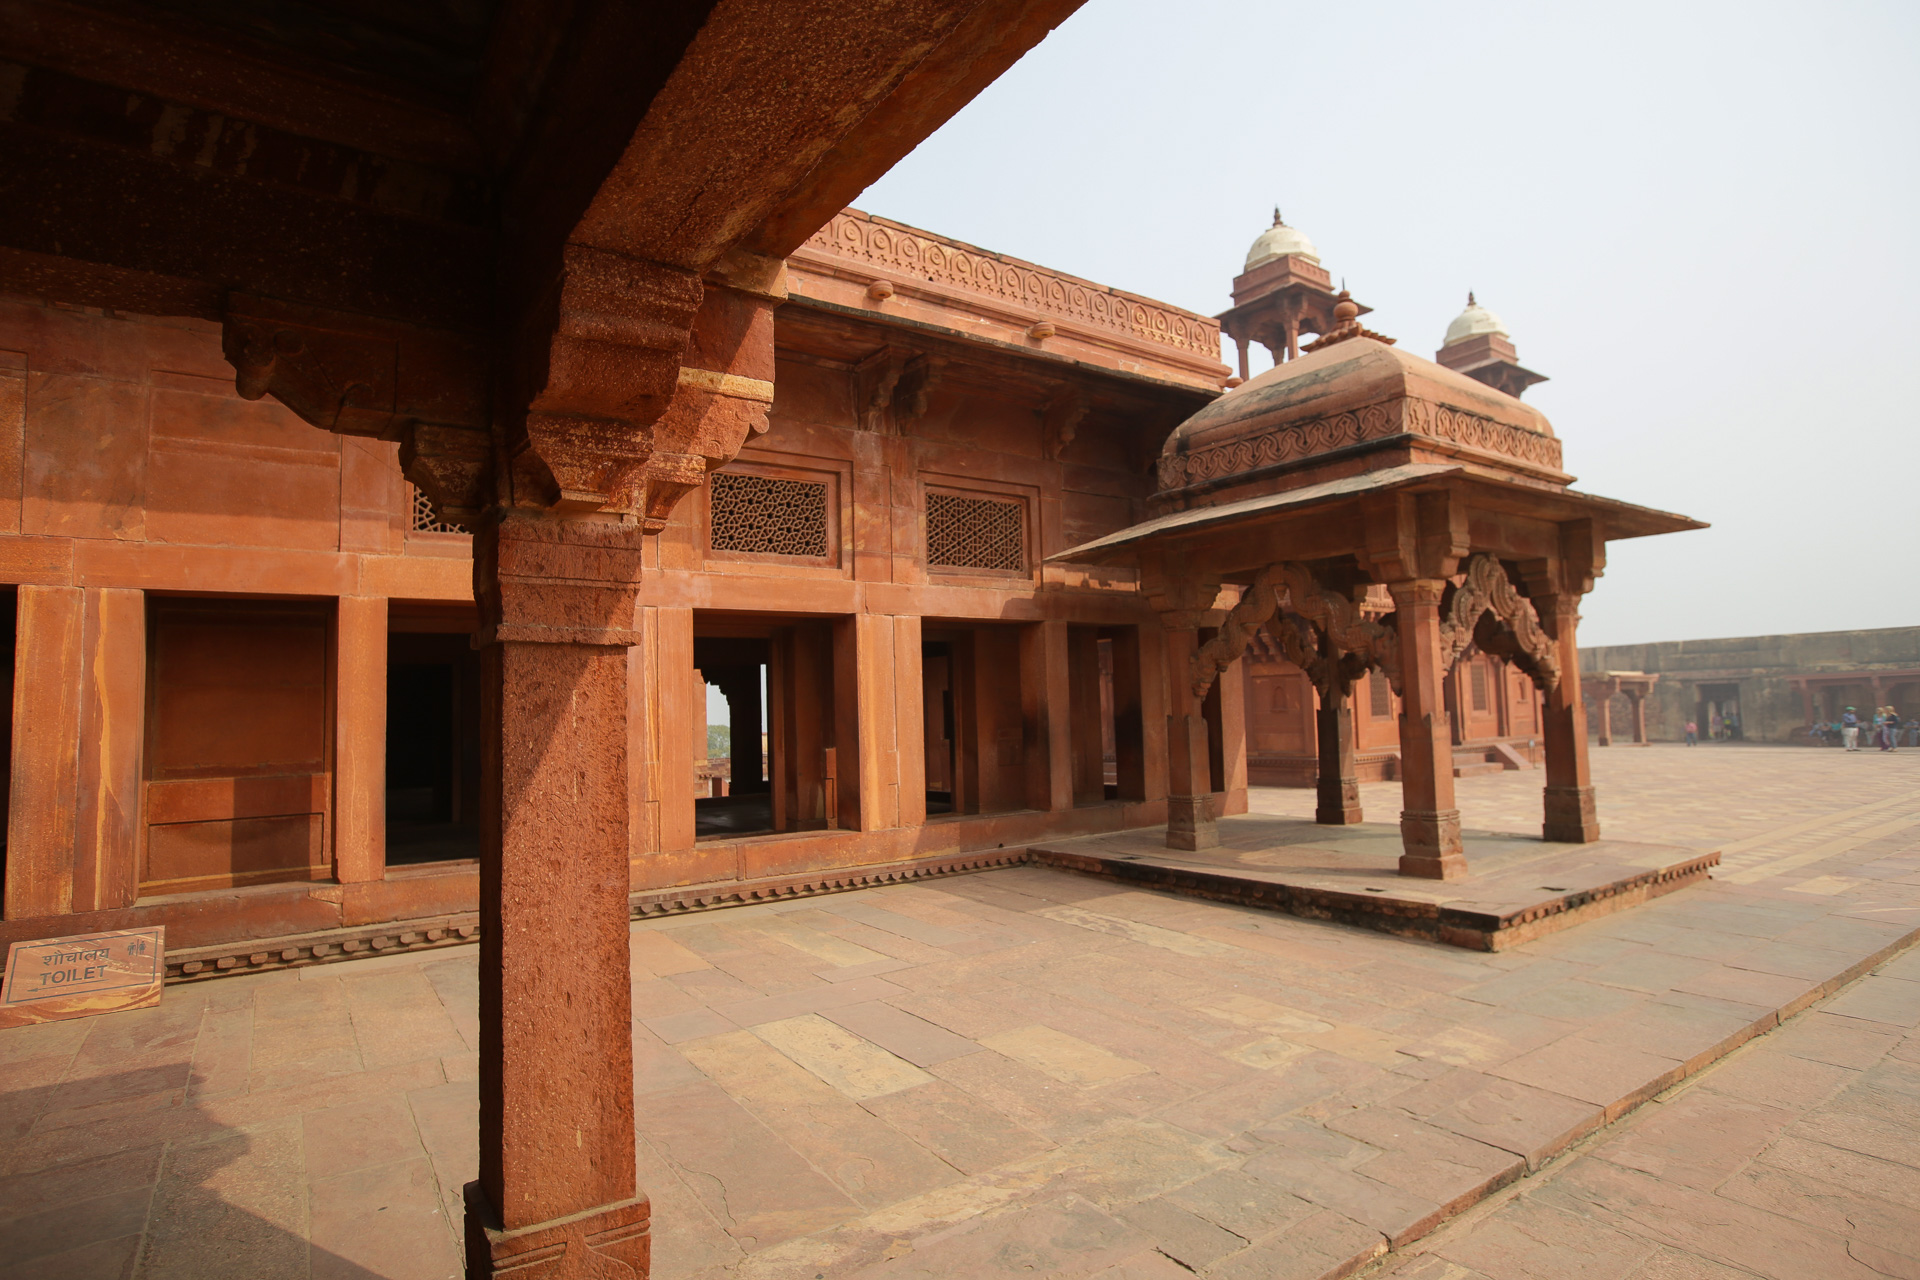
[(1883, 729)]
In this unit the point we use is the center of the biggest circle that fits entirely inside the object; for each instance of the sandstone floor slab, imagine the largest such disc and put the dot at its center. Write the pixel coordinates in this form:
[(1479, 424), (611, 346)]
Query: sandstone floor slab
[(1028, 1071)]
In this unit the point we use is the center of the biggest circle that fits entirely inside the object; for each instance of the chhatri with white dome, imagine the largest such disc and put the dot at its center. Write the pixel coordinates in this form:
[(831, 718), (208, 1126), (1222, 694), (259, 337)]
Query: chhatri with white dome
[(1478, 345), (1280, 296)]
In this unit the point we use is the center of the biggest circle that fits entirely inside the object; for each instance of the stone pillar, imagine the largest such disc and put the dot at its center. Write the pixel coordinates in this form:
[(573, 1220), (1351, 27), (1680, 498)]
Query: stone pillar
[(1338, 786), (740, 686), (1570, 815), (558, 601), (1190, 822), (1638, 697), (1429, 820), (360, 739), (1603, 702), (113, 677), (1046, 700)]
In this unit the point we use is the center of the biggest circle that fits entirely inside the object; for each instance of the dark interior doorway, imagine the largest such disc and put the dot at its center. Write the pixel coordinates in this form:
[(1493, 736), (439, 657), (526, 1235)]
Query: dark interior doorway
[(433, 748), (741, 802), (938, 673), (1719, 713)]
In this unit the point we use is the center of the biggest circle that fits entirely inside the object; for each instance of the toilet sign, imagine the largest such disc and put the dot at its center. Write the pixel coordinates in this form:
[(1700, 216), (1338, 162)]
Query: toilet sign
[(77, 977)]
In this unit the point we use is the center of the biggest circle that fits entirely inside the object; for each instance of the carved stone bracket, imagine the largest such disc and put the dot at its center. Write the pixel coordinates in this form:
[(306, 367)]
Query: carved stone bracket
[(895, 379), (1257, 604), (1486, 607), (637, 380), (1060, 421), (359, 376)]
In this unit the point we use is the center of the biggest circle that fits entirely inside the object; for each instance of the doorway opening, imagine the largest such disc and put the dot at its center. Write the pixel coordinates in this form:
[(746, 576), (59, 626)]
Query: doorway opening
[(433, 742), (1720, 719), (767, 747), (975, 728), (1108, 745)]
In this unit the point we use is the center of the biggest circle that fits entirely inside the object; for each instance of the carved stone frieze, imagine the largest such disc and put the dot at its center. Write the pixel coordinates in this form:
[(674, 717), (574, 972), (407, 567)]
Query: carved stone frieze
[(1340, 430), (1486, 608), (899, 250)]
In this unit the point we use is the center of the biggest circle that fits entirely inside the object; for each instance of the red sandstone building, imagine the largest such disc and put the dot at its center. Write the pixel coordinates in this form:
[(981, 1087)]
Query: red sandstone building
[(399, 430), (248, 703)]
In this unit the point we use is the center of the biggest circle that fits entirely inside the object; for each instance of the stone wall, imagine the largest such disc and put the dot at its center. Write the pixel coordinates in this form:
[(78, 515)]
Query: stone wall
[(1769, 672)]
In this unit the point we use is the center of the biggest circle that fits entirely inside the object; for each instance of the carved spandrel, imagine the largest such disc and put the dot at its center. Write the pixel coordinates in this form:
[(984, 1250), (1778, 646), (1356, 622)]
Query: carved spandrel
[(1485, 607)]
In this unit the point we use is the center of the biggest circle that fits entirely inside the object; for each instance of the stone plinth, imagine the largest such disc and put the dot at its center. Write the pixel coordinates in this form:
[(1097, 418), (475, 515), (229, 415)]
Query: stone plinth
[(1518, 889)]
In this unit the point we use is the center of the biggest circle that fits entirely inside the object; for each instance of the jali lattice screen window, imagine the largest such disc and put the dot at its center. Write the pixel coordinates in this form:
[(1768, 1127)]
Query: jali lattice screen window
[(424, 519), (976, 533), (767, 515), (1380, 694)]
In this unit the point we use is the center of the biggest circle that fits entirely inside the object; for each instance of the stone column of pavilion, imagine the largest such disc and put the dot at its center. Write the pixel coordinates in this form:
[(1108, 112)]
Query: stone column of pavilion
[(1360, 463), (1184, 603)]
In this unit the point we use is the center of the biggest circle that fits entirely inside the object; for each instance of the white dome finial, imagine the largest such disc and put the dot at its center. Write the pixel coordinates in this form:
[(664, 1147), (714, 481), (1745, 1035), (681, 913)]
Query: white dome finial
[(1473, 322), (1280, 241)]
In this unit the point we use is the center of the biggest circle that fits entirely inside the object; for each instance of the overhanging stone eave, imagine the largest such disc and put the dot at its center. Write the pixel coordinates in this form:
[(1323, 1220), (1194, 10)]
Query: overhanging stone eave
[(1618, 519), (1116, 546)]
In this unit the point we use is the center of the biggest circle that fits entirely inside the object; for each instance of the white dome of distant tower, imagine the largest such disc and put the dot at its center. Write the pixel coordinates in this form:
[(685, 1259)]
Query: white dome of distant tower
[(1473, 322), (1280, 241)]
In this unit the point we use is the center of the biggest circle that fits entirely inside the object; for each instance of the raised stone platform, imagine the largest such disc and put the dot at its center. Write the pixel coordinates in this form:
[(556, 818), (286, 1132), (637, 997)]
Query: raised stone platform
[(1519, 887)]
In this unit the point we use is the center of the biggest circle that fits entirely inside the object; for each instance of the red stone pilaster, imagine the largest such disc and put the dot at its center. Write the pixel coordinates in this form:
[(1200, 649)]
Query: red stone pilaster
[(360, 739), (556, 1192), (1429, 820)]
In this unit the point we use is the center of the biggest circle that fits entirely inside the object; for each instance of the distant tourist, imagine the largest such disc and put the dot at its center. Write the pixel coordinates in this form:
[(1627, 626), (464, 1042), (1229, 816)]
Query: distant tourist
[(1693, 733), (1889, 732), (1850, 729)]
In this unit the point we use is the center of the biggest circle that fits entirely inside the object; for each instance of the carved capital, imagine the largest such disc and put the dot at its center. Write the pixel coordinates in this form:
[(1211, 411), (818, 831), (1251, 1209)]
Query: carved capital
[(1414, 593), (544, 580)]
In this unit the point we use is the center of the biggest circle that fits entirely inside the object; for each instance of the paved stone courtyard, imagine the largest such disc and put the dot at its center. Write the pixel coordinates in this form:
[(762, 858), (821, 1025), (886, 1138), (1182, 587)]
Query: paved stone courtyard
[(1025, 1072)]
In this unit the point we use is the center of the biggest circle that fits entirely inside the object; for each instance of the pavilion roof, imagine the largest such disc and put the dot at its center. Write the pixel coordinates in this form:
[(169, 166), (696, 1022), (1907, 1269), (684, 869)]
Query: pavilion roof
[(1619, 519)]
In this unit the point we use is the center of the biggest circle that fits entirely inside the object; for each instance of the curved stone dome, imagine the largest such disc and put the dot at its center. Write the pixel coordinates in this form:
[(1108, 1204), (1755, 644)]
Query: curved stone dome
[(1372, 404), (1473, 322), (1281, 241)]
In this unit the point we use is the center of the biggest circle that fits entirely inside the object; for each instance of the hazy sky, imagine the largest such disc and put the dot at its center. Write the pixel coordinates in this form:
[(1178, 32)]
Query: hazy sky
[(1699, 220)]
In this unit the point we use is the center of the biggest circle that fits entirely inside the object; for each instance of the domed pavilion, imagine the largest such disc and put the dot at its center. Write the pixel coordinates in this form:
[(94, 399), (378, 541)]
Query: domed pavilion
[(1379, 512)]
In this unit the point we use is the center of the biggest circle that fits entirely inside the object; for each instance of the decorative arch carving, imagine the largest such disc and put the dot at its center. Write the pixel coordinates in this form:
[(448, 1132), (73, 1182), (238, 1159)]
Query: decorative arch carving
[(1322, 632), (1487, 609)]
